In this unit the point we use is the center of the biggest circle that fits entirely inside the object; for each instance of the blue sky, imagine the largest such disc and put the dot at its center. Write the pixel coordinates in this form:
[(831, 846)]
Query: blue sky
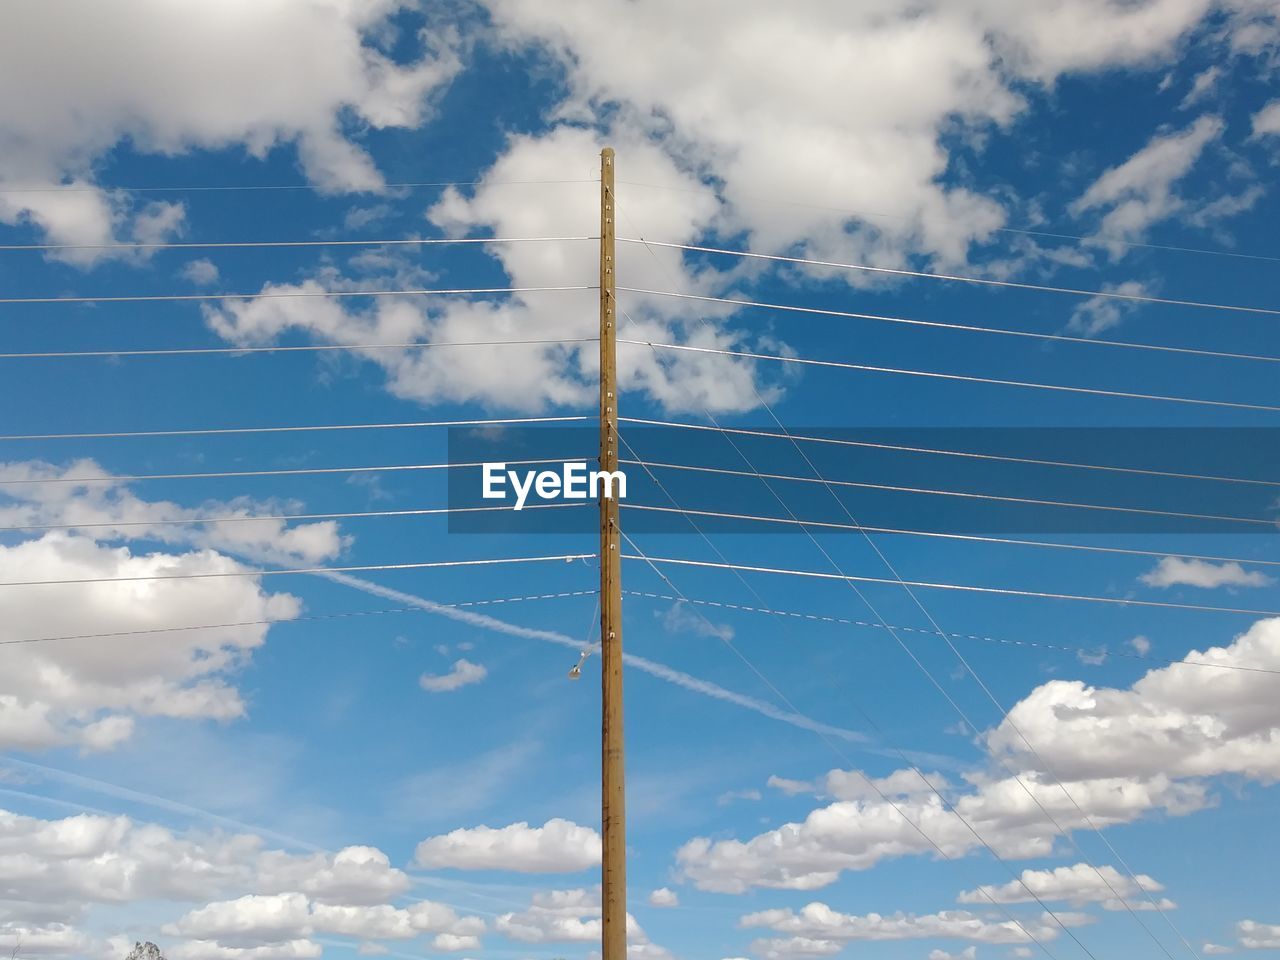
[(375, 773)]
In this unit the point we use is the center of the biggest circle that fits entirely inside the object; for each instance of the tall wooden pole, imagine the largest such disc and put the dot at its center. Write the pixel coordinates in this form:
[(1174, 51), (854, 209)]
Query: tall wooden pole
[(613, 793)]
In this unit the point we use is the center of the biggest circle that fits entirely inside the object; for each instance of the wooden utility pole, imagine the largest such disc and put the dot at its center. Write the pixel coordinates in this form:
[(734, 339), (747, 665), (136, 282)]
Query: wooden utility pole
[(612, 789)]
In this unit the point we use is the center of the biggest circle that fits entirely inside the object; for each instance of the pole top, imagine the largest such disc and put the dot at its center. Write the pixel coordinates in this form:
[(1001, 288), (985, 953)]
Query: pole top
[(607, 153)]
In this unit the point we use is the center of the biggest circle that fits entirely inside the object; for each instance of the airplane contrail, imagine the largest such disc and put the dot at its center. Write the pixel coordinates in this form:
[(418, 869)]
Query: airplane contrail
[(651, 667)]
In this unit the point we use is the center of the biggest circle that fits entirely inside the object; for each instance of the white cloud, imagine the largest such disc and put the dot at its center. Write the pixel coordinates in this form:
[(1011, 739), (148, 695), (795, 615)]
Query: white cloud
[(678, 618), (54, 940), (1078, 884), (818, 922), (1122, 754), (901, 77), (1140, 192), (534, 376), (1266, 122), (968, 953), (858, 834), (792, 788), (795, 947), (287, 917), (558, 846), (1215, 949), (664, 897), (1097, 314), (109, 510), (236, 74), (88, 692), (202, 272), (731, 796), (1177, 721), (211, 950), (1258, 936), (1202, 85), (572, 916), (57, 869), (1174, 571), (1141, 645), (464, 673)]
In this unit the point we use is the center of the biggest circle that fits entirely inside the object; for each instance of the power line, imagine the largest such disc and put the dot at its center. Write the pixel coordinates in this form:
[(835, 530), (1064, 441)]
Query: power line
[(894, 634), (952, 701), (368, 514), (288, 295), (866, 716), (1031, 644), (311, 348), (932, 451), (308, 187), (346, 615), (985, 281), (259, 244), (287, 472), (973, 538), (223, 431), (867, 368), (271, 573), (892, 488), (359, 515), (1098, 240), (967, 328), (905, 759), (866, 601), (965, 588), (875, 787)]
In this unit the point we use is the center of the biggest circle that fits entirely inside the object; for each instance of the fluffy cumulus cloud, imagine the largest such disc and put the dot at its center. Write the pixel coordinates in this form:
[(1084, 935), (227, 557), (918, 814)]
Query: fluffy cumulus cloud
[(1174, 571), (55, 869), (1077, 885), (818, 930), (1178, 721), (90, 501), (54, 872), (1120, 754), (858, 834), (1258, 936), (201, 272), (240, 74), (212, 950), (464, 673), (664, 897), (88, 690), (704, 133), (572, 916), (46, 940), (749, 92), (534, 376), (290, 917), (1266, 122), (558, 846)]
